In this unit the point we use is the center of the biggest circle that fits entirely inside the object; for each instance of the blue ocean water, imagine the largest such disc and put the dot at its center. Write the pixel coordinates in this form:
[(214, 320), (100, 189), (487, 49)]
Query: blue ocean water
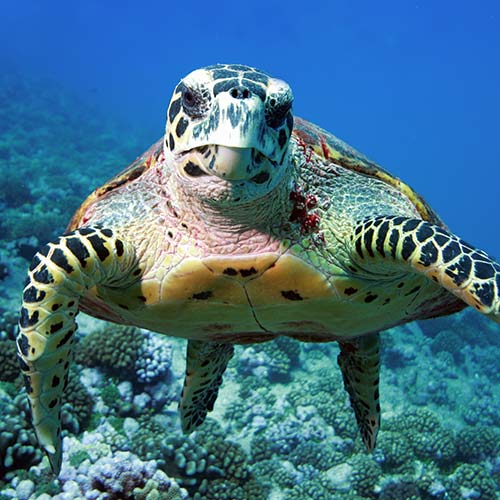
[(413, 85), (84, 88)]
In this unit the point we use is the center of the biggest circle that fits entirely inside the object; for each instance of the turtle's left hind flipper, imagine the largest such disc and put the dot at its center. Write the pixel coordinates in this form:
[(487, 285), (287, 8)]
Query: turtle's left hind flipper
[(205, 364), (359, 360)]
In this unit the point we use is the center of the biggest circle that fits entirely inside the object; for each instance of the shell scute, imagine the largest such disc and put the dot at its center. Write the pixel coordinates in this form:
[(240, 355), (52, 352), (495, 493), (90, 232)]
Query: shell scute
[(314, 140), (133, 172)]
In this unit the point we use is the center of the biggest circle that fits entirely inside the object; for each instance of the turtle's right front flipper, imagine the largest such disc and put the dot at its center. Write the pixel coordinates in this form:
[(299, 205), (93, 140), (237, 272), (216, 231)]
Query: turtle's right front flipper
[(59, 275)]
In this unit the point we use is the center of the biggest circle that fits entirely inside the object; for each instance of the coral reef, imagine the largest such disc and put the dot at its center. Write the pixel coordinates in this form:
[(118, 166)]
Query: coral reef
[(472, 481), (207, 465), (8, 359), (123, 476), (426, 435), (126, 352), (475, 444), (394, 452), (272, 360), (42, 134), (449, 341), (18, 445), (114, 348), (365, 475)]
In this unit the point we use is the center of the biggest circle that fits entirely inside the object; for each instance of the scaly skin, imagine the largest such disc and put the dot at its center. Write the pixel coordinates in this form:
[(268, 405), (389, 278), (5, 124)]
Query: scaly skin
[(240, 231), (58, 276), (359, 360), (468, 273), (202, 385)]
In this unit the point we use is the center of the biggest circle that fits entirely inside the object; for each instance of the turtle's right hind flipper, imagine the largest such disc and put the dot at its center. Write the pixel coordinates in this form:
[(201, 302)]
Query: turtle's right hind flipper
[(205, 364)]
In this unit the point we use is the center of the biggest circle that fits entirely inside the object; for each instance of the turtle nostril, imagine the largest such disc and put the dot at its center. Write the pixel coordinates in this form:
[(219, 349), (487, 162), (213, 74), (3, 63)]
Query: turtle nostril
[(239, 93)]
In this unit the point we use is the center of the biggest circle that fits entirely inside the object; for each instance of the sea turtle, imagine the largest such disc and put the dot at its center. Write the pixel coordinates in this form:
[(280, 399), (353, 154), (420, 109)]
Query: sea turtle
[(242, 224)]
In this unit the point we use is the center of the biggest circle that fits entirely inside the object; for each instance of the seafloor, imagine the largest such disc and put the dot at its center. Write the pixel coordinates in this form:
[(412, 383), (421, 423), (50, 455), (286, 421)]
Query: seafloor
[(282, 428)]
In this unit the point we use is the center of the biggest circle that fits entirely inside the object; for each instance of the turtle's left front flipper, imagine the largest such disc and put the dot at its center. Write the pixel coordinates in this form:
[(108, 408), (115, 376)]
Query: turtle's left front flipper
[(418, 245), (58, 276), (206, 362), (359, 360)]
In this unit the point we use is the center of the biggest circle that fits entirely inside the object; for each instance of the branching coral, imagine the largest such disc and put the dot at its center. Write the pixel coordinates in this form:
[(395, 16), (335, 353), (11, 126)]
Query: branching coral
[(126, 352), (18, 445), (477, 443), (365, 475), (272, 360), (9, 371), (471, 481), (427, 437)]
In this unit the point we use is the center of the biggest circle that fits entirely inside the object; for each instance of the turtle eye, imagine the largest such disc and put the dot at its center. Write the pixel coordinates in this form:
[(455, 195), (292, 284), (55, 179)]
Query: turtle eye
[(277, 109), (193, 102), (188, 99)]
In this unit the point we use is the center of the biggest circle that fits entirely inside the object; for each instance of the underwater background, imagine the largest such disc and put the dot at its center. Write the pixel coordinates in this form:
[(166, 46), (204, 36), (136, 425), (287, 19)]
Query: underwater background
[(84, 88)]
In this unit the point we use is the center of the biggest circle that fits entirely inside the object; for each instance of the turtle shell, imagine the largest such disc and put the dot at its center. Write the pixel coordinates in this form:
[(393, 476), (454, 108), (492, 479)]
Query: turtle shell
[(140, 165), (310, 137), (314, 139)]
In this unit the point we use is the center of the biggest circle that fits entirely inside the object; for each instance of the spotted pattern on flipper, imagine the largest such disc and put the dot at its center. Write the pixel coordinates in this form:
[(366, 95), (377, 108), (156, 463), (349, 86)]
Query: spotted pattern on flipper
[(59, 275), (206, 362), (467, 272), (359, 360)]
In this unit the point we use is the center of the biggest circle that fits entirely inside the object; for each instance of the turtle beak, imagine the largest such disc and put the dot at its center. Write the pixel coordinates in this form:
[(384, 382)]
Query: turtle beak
[(230, 163), (233, 163)]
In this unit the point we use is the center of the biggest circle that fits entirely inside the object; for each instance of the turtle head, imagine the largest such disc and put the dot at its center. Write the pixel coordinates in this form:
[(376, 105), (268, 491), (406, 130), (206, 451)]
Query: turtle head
[(232, 123)]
